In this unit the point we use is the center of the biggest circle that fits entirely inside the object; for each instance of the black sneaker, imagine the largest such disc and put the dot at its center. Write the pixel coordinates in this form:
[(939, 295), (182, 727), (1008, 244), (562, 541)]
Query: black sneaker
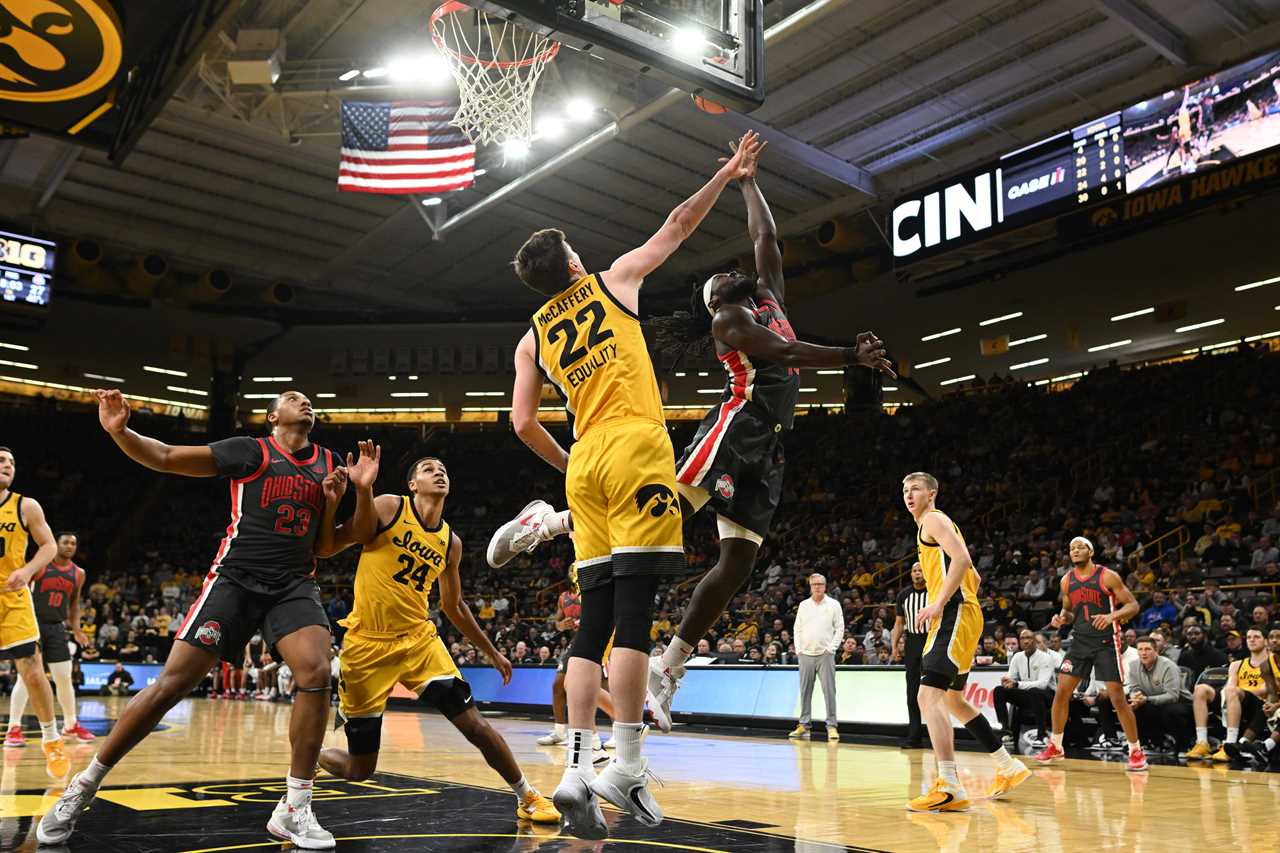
[(1249, 752)]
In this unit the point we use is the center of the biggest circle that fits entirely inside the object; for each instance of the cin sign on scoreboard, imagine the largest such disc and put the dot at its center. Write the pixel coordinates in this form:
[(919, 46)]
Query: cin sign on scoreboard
[(26, 269)]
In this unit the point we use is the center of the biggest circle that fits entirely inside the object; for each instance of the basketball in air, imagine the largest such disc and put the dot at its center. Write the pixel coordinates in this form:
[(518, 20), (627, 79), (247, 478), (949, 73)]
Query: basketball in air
[(709, 106)]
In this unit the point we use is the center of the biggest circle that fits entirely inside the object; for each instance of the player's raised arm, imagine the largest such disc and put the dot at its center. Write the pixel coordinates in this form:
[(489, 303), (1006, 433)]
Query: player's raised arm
[(456, 610), (526, 395), (628, 272), (31, 514), (1128, 604), (762, 230), (190, 461)]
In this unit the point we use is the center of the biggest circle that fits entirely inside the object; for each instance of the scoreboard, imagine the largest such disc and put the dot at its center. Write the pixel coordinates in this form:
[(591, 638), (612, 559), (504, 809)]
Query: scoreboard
[(26, 270), (1198, 126)]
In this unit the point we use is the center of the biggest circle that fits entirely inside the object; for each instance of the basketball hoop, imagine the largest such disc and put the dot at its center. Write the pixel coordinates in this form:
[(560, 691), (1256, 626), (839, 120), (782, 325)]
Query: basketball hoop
[(496, 65)]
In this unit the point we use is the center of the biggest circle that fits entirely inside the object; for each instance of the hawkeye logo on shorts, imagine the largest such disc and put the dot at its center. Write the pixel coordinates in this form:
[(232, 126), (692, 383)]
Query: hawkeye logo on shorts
[(663, 500), (210, 633)]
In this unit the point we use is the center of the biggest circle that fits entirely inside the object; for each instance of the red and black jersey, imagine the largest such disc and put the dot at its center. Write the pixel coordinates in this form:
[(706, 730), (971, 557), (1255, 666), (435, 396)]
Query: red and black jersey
[(771, 388), (1090, 598), (53, 589), (277, 502)]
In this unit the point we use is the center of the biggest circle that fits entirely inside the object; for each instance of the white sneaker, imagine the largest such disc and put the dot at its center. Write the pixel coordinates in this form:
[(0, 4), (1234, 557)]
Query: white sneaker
[(629, 792), (299, 826), (551, 739), (60, 821), (519, 535), (609, 744), (596, 746), (664, 681), (580, 808)]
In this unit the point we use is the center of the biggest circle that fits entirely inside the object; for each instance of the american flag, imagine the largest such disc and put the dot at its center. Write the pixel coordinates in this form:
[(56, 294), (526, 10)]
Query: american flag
[(403, 147)]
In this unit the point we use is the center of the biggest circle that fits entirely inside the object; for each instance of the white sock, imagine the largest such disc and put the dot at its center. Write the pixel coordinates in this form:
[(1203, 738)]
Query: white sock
[(627, 737), (560, 729), (556, 524), (1270, 743), (947, 772), (299, 792), (1005, 760), (49, 730), (1134, 747), (577, 756), (94, 773), (676, 653), (521, 787), (1056, 737), (1202, 734), (1233, 735)]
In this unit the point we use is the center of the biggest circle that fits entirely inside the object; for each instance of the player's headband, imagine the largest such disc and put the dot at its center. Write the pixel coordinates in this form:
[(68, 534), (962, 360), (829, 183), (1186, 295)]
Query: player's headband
[(706, 295), (1086, 542)]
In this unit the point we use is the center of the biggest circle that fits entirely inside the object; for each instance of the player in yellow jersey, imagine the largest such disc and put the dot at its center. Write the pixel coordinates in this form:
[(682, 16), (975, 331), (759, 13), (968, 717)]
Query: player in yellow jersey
[(390, 639), (954, 617), (620, 482), (1251, 696), (22, 522)]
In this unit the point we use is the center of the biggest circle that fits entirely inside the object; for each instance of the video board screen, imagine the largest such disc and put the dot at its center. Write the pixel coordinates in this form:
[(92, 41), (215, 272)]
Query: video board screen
[(26, 269), (1203, 124)]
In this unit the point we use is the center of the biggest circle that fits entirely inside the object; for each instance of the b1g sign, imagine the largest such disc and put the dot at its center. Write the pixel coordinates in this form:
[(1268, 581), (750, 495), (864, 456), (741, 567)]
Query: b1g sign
[(26, 269)]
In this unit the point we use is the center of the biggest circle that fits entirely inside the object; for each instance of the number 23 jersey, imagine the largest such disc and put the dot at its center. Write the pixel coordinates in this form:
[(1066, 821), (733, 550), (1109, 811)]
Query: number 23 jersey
[(395, 575)]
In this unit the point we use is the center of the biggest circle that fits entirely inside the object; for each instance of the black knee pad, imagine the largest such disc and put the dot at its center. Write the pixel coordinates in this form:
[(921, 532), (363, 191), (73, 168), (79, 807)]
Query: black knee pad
[(596, 624), (451, 697), (633, 611), (364, 735)]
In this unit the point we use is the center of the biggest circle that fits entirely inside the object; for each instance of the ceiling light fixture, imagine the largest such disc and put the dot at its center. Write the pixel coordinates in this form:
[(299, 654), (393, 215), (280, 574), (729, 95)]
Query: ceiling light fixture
[(1029, 364), (1112, 345), (1015, 315), (1253, 284), (1130, 315), (164, 370), (937, 335), (1206, 324), (958, 379), (515, 148), (269, 378), (933, 363), (350, 75), (410, 393), (23, 364), (375, 73), (579, 109), (18, 347), (103, 378), (181, 390), (1020, 341), (687, 40)]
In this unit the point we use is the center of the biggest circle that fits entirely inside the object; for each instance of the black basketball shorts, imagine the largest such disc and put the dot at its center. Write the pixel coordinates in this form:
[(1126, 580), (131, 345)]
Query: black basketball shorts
[(53, 642), (736, 457), (1089, 653), (226, 615)]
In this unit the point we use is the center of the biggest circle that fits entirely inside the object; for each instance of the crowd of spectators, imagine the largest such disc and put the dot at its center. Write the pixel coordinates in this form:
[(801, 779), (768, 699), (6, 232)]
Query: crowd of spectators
[(1167, 469)]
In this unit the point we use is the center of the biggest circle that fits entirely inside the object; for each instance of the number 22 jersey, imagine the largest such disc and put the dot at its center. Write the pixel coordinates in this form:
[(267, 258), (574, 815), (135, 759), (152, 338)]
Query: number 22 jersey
[(395, 575), (277, 503)]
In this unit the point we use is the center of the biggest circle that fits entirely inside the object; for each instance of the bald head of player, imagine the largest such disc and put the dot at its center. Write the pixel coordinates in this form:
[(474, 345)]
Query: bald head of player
[(429, 477), (547, 263), (291, 410)]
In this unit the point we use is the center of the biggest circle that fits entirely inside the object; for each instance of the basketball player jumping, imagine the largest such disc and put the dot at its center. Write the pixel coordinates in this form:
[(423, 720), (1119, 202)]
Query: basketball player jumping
[(1089, 595), (620, 483), (735, 462), (22, 521), (262, 576), (955, 622), (56, 592), (391, 639)]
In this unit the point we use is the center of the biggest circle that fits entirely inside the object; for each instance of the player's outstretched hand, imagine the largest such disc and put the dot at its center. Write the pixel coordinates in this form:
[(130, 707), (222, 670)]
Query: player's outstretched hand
[(113, 410), (870, 353), (335, 485), (503, 666), (749, 146), (364, 471), (750, 163)]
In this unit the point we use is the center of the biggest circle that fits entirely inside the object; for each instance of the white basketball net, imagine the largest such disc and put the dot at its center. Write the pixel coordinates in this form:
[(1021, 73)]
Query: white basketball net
[(496, 65)]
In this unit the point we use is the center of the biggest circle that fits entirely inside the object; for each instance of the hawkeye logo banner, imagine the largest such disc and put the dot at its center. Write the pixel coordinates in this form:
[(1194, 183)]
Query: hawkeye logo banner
[(56, 52)]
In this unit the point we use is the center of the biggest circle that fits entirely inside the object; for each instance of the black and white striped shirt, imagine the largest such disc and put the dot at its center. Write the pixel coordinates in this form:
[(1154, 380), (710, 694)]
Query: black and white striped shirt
[(910, 602)]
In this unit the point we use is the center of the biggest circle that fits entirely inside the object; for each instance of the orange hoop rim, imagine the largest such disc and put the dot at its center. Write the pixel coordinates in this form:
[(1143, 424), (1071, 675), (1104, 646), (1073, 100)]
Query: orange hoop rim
[(453, 7)]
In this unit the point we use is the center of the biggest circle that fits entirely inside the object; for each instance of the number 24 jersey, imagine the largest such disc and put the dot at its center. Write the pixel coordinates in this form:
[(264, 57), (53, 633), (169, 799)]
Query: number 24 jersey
[(395, 575)]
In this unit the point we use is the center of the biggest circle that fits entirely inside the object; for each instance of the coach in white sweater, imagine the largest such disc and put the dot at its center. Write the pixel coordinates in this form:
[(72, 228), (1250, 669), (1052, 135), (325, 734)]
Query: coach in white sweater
[(819, 630)]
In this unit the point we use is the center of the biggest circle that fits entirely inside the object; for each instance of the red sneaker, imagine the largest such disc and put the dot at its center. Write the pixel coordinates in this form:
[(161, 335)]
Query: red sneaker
[(14, 740), (1137, 761), (78, 732), (1051, 754)]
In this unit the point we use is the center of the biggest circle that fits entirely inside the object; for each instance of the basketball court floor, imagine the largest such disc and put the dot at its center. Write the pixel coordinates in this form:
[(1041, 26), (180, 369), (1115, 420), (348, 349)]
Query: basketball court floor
[(206, 781)]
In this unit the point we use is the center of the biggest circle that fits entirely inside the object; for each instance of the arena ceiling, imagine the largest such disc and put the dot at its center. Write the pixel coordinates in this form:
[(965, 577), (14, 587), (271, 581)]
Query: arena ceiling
[(866, 99)]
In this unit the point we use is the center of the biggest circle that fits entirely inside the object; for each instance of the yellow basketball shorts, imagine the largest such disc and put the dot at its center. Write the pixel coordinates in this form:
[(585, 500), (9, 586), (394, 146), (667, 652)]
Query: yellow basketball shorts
[(951, 644), (621, 486), (19, 631), (371, 667)]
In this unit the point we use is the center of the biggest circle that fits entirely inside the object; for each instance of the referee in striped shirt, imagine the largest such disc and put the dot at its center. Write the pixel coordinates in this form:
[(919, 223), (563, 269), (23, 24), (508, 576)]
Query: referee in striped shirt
[(911, 600)]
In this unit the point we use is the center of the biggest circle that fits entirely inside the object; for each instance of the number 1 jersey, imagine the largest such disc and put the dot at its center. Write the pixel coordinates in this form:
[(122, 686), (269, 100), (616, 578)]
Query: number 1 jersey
[(277, 503), (593, 350), (395, 575)]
